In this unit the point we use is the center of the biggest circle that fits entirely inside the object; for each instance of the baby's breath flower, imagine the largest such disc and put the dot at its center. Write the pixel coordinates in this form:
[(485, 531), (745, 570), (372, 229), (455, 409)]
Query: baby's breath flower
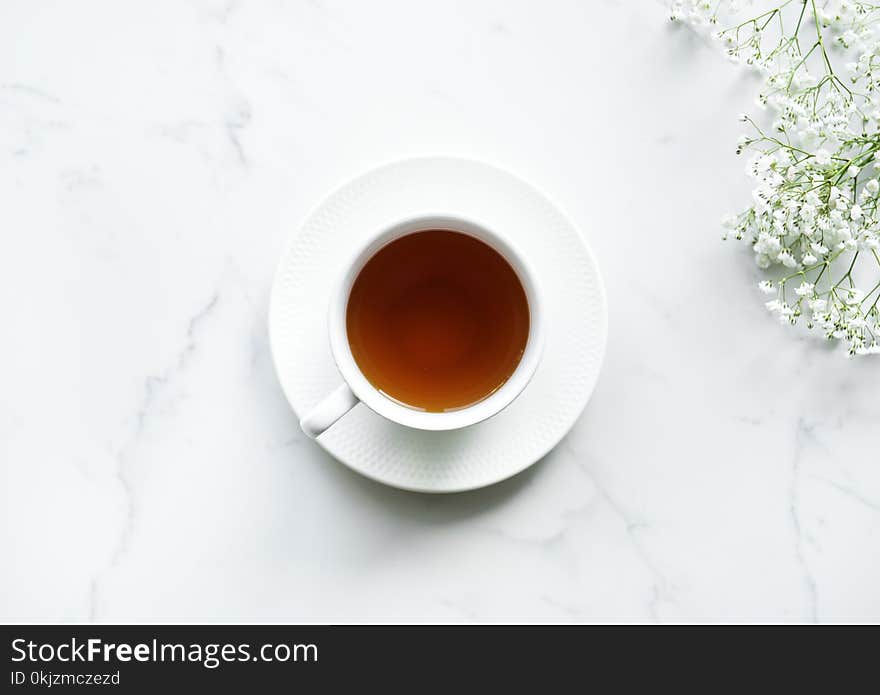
[(814, 221), (805, 289), (787, 259), (819, 305)]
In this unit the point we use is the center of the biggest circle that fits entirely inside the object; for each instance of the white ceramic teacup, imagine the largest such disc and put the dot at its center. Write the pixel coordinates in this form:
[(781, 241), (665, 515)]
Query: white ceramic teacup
[(355, 386)]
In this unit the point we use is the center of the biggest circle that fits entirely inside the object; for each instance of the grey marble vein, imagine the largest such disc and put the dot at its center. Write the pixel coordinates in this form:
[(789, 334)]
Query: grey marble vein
[(238, 116), (662, 591), (803, 433), (153, 385), (850, 493), (30, 91)]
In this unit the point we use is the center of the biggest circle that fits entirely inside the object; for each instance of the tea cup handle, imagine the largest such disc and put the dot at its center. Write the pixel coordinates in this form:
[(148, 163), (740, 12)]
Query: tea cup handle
[(328, 411)]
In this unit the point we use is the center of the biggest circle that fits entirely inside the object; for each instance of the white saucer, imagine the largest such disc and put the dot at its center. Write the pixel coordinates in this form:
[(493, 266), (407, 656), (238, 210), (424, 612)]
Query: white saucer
[(572, 289)]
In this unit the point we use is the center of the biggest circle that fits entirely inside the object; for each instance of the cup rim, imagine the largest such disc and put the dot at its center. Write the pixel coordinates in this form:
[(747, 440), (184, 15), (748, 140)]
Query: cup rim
[(406, 415)]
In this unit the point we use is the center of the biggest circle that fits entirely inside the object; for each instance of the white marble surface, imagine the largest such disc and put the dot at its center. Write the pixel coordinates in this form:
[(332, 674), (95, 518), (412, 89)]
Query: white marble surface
[(153, 159)]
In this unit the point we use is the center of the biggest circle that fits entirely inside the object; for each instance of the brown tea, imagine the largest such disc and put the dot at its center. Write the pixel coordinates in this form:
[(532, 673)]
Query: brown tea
[(437, 320)]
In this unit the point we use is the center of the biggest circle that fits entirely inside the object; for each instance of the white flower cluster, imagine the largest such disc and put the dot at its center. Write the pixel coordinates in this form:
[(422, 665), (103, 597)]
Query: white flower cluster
[(814, 222)]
